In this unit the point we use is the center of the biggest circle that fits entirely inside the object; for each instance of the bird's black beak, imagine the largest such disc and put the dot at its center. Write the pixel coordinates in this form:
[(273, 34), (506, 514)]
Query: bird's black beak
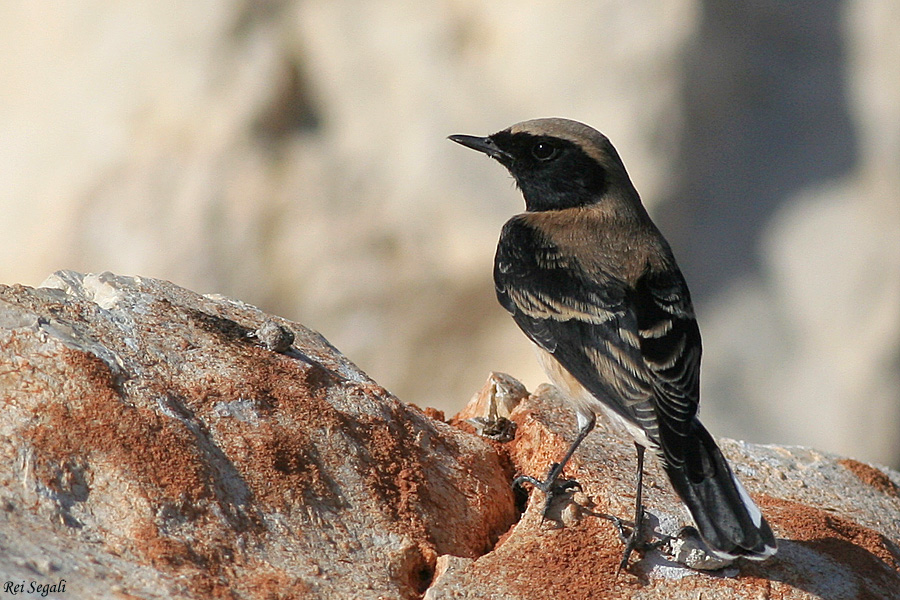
[(482, 144)]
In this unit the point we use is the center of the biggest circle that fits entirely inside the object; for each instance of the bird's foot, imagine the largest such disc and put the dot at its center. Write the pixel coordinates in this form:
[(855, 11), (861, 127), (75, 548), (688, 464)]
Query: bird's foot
[(634, 539), (552, 486)]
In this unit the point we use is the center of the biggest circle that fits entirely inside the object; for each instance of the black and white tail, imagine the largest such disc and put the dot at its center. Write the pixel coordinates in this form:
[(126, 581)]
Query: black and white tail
[(728, 520)]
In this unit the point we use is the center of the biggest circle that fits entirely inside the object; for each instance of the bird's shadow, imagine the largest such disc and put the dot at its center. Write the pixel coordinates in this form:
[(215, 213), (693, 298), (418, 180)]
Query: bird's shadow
[(830, 568)]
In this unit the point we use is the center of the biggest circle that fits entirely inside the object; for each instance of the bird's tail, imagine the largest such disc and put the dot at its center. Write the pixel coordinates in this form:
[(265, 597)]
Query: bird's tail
[(728, 520)]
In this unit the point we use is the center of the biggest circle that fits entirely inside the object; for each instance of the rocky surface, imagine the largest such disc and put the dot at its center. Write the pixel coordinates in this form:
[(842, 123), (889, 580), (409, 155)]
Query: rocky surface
[(292, 153), (156, 443), (152, 448), (837, 522)]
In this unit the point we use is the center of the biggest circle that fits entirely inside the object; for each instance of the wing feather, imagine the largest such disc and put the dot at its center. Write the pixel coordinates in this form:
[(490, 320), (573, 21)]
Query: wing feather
[(634, 347)]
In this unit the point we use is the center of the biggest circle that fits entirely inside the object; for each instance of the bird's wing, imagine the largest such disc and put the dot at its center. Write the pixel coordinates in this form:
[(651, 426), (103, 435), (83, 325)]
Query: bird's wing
[(581, 318), (670, 347), (634, 348)]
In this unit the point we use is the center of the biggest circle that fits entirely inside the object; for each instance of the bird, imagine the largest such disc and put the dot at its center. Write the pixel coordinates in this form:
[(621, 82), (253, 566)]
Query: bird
[(592, 282)]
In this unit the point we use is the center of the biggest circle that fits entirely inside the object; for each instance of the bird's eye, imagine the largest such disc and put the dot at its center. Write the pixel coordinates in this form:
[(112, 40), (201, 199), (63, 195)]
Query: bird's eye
[(544, 151)]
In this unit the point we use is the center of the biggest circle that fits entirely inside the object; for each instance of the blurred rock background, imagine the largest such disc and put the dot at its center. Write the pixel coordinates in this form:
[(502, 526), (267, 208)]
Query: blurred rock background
[(293, 155)]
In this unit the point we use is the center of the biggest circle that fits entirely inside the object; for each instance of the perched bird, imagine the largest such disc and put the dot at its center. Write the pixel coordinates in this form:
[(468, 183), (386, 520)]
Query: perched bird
[(591, 281)]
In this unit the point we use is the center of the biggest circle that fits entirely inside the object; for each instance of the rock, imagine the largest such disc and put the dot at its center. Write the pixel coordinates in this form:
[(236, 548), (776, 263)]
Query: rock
[(837, 522), (489, 409), (152, 448), (156, 443)]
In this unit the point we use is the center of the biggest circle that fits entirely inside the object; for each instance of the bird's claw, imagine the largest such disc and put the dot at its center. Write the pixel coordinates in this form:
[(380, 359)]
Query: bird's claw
[(621, 526), (630, 534), (634, 540), (552, 486)]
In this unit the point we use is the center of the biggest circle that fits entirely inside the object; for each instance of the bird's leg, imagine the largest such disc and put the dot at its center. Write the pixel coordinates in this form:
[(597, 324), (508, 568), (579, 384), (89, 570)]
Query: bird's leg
[(551, 487), (633, 540)]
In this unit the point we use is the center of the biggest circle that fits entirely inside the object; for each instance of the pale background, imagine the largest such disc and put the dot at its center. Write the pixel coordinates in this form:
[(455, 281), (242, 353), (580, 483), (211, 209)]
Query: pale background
[(293, 155)]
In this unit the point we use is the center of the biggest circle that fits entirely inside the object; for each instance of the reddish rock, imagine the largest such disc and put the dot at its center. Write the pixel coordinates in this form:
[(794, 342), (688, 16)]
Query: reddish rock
[(156, 443), (152, 447), (837, 523)]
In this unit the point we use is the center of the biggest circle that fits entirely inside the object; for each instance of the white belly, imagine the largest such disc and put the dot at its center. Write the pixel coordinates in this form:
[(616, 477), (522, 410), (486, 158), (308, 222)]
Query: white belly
[(584, 401)]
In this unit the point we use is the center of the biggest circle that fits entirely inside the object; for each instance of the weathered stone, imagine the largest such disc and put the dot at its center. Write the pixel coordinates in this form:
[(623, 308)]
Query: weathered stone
[(152, 447), (837, 522), (156, 443)]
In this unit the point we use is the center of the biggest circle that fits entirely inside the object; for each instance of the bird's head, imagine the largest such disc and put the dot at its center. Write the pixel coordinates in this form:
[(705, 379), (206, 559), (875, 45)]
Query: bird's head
[(557, 163)]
